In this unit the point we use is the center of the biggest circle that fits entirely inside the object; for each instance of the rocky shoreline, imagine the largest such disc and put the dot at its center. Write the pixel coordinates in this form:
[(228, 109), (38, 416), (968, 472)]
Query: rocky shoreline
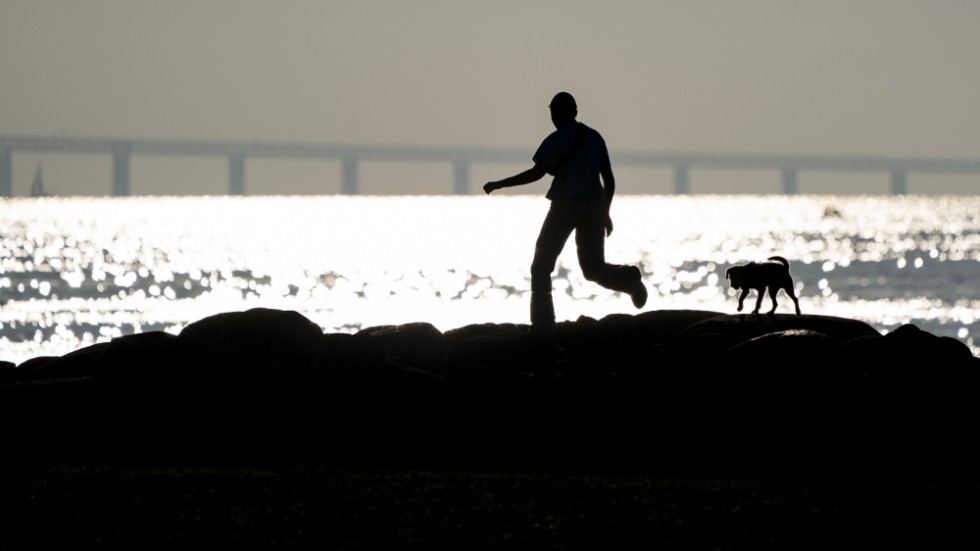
[(661, 391)]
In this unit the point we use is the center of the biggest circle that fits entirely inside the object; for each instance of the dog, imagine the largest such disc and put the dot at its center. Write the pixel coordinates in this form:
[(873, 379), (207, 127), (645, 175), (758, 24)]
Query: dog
[(773, 274)]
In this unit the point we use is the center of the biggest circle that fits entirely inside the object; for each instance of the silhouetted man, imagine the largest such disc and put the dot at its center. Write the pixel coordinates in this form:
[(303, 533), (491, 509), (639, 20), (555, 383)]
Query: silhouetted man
[(577, 157)]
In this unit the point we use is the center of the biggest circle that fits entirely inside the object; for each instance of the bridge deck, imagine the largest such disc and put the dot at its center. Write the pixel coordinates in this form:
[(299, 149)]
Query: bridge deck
[(459, 157)]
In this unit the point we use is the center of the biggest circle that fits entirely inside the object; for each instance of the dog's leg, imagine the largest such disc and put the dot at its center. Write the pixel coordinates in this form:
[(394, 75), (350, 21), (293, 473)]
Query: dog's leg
[(741, 298), (758, 300), (789, 291), (772, 297)]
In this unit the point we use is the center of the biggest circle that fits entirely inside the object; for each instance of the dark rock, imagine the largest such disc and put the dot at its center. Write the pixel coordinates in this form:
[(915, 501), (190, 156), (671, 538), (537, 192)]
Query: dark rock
[(749, 326), (915, 345), (784, 363), (788, 349), (667, 324), (244, 345), (78, 363), (419, 344), (139, 359), (702, 348), (258, 334), (34, 364), (617, 343), (8, 373), (342, 356), (357, 360), (504, 350), (912, 358), (687, 388), (453, 335)]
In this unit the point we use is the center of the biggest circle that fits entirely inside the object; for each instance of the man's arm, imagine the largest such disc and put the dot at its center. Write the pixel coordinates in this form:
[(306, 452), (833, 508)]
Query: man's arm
[(609, 188), (532, 174)]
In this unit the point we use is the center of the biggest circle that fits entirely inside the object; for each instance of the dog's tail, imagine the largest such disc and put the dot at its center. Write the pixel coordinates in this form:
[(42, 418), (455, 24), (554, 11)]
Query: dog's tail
[(781, 260)]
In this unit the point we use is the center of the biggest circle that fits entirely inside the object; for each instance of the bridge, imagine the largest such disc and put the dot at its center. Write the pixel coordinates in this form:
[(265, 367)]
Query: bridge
[(460, 158)]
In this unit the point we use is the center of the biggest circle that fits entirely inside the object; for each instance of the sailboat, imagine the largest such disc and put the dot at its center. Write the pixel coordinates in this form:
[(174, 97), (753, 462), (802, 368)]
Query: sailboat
[(37, 188)]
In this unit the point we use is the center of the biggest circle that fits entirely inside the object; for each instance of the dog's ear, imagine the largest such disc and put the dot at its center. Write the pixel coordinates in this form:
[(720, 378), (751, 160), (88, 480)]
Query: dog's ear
[(728, 273)]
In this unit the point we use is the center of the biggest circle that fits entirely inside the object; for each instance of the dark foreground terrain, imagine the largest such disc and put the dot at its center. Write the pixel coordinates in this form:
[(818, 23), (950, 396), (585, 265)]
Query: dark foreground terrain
[(303, 506), (664, 430)]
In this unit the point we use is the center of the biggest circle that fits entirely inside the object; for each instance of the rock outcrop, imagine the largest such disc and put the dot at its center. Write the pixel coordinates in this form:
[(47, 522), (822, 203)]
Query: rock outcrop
[(680, 390)]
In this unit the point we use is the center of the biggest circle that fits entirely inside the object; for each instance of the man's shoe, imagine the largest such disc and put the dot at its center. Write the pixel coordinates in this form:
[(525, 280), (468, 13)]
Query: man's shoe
[(639, 294)]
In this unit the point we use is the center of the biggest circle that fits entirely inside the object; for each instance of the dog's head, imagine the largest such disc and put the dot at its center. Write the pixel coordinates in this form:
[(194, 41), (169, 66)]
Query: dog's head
[(734, 276)]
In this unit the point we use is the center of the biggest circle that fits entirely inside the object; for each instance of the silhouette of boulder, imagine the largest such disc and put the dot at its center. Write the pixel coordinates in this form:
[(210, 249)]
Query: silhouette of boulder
[(911, 357), (749, 326), (233, 346), (78, 363), (789, 349), (138, 359), (695, 385), (356, 360), (343, 356), (31, 365), (783, 363), (701, 348), (667, 324), (481, 354), (915, 344), (8, 372), (418, 344), (452, 335), (617, 343)]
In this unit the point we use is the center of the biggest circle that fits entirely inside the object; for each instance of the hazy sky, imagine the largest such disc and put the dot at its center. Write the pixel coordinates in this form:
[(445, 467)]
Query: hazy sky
[(848, 77)]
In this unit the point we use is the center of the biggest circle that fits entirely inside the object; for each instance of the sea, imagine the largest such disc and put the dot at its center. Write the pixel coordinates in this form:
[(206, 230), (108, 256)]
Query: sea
[(75, 271)]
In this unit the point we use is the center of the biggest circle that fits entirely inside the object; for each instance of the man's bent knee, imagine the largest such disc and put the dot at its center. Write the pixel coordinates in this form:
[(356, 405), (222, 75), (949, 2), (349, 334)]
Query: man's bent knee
[(594, 273)]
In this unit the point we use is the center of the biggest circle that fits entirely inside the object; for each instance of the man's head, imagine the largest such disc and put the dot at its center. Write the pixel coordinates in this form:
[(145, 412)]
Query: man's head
[(563, 108)]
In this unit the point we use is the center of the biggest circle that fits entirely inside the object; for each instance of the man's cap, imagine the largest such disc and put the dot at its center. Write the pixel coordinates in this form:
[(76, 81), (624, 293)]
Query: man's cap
[(563, 101)]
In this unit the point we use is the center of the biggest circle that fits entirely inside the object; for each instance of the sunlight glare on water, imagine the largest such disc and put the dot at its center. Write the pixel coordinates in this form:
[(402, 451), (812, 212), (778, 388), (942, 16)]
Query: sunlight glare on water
[(75, 271)]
